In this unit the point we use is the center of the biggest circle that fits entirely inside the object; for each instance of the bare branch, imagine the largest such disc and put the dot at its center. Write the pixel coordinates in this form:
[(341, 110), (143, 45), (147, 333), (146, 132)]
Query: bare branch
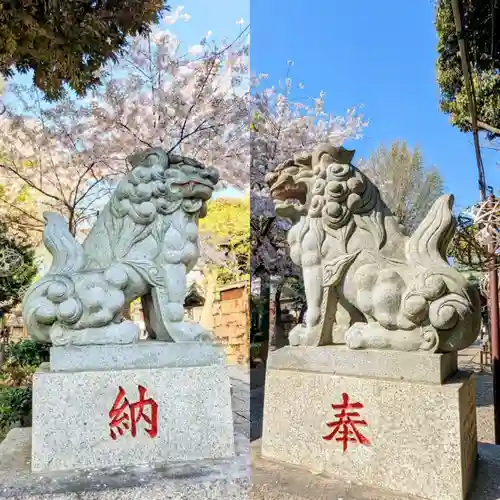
[(488, 128), (29, 182)]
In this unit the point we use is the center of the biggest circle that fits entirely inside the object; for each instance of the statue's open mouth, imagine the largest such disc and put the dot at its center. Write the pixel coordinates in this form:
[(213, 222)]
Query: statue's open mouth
[(195, 188), (290, 198), (289, 194), (193, 184)]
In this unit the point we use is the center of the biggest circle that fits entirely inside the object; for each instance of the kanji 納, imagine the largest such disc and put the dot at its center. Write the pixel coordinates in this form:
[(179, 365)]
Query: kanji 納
[(124, 415)]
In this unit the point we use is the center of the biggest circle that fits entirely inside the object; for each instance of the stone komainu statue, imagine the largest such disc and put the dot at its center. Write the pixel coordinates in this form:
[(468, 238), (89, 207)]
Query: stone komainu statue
[(367, 284), (143, 244)]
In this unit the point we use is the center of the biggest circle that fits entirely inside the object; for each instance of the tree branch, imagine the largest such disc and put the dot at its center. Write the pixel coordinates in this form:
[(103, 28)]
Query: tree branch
[(212, 63), (128, 129), (24, 212), (488, 128), (30, 183)]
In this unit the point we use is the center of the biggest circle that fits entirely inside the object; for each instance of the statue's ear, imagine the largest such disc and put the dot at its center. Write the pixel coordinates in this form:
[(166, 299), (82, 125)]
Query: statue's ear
[(338, 154), (345, 156), (135, 159)]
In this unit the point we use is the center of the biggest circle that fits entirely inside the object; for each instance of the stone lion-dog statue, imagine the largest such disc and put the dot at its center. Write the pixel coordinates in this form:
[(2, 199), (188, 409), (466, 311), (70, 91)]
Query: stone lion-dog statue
[(142, 244), (367, 284)]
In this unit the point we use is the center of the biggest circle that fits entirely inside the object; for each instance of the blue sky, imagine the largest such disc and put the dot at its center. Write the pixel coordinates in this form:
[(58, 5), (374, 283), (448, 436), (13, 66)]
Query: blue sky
[(380, 54), (219, 16)]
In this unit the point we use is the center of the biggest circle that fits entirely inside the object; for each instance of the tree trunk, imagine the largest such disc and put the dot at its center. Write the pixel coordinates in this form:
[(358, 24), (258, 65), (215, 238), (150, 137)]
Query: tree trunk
[(280, 339), (277, 338), (2, 351), (4, 338), (265, 297), (71, 222)]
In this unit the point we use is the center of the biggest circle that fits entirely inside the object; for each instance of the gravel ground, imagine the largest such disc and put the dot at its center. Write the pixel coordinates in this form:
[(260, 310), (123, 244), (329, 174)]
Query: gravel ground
[(484, 408), (469, 359)]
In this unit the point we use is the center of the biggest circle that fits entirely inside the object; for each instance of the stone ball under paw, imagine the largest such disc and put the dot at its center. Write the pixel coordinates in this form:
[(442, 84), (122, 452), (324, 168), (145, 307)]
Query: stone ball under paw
[(70, 310), (57, 292), (46, 314)]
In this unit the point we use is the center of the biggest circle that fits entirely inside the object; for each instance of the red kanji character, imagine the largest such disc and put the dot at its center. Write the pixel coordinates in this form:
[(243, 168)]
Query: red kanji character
[(121, 418), (345, 426)]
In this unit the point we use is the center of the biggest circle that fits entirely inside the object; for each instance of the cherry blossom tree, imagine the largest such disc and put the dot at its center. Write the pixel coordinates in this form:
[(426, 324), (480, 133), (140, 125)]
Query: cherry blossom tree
[(66, 157), (283, 124), (195, 103), (49, 160)]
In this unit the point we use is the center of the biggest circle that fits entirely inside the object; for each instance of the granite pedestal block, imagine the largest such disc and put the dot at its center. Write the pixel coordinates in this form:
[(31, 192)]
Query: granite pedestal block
[(86, 419), (400, 434), (144, 354)]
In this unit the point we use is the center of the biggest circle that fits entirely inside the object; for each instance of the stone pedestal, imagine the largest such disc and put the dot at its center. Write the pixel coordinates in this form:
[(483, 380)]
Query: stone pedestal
[(407, 420), (160, 408), (151, 421)]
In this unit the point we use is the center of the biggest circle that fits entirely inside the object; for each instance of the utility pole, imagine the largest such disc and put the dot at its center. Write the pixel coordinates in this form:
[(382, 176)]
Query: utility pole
[(493, 275), (494, 336)]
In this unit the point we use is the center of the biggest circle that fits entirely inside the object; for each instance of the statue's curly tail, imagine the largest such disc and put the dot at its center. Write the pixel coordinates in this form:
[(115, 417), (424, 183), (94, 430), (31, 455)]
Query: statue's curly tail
[(461, 314), (39, 312), (67, 254), (454, 304), (428, 245)]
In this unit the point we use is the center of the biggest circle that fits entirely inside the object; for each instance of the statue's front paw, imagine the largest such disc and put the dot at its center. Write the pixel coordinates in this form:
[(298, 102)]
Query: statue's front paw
[(297, 335), (201, 334), (191, 332), (354, 336)]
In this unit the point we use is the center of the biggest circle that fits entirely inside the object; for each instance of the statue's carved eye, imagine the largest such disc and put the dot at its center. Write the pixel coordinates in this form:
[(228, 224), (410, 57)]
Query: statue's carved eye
[(333, 209), (355, 185), (157, 173)]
